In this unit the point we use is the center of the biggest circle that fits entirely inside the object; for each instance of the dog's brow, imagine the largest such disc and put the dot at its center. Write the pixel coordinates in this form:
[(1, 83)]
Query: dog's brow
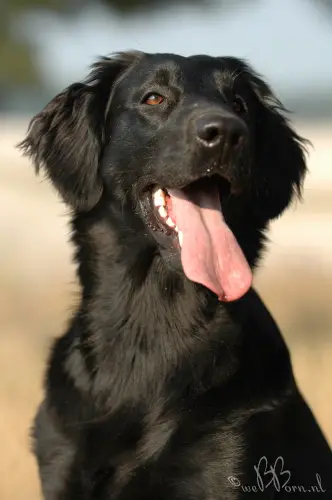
[(167, 74), (162, 76)]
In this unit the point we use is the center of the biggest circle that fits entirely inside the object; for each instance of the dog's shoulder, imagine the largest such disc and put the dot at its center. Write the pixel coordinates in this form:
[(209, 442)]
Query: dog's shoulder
[(54, 452)]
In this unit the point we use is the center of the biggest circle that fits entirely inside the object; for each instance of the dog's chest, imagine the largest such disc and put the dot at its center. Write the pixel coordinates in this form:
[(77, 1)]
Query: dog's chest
[(192, 465)]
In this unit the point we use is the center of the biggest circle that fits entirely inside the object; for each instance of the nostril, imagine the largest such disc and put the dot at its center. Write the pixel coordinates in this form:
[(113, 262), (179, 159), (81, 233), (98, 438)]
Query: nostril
[(209, 133), (235, 139)]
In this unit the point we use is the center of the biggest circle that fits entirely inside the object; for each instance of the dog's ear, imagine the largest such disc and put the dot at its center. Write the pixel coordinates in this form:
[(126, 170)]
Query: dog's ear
[(280, 151), (67, 136)]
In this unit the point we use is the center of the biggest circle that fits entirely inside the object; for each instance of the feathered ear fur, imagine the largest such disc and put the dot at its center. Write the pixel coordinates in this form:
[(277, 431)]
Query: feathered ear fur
[(67, 137), (281, 149), (279, 154)]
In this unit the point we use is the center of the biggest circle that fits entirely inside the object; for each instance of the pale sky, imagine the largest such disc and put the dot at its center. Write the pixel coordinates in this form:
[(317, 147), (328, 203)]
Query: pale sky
[(288, 41)]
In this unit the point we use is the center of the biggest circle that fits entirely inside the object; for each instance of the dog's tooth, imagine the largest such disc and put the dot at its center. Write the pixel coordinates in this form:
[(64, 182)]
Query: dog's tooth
[(180, 238), (162, 212), (169, 222), (159, 198), (176, 229)]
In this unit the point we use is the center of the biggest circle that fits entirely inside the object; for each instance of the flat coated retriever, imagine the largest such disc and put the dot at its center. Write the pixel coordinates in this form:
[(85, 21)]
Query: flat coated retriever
[(172, 381)]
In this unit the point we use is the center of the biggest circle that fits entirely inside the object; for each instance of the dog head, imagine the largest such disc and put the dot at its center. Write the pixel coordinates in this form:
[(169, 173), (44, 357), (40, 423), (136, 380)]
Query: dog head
[(195, 150)]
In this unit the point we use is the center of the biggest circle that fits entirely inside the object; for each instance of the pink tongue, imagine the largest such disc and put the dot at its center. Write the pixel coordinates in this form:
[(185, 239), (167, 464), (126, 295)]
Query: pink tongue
[(210, 253)]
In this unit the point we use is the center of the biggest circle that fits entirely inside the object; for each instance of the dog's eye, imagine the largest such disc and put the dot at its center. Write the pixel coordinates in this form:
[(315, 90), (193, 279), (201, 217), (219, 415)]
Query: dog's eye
[(153, 99), (238, 105)]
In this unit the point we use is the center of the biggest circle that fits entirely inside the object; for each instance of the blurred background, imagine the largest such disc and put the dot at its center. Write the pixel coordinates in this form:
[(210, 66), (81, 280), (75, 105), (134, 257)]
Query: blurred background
[(47, 44)]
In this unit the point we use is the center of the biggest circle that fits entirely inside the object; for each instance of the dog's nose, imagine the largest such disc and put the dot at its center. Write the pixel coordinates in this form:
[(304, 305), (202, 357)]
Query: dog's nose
[(214, 130)]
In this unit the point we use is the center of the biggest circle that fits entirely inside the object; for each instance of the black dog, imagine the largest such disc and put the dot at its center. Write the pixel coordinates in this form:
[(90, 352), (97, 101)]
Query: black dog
[(172, 381)]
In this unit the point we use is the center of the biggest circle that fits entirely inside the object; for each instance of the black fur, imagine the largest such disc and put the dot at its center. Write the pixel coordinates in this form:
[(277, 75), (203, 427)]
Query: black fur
[(158, 390)]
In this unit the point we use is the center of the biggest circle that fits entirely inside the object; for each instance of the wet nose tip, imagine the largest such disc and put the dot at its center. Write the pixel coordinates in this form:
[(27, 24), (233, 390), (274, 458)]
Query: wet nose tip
[(211, 131)]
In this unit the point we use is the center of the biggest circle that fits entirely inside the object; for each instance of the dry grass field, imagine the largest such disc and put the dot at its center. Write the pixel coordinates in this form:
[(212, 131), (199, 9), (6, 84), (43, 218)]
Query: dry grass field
[(38, 288)]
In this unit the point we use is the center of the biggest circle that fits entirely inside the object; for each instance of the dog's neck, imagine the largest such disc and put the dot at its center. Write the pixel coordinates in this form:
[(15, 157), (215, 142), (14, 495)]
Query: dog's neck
[(143, 318), (124, 277), (138, 341)]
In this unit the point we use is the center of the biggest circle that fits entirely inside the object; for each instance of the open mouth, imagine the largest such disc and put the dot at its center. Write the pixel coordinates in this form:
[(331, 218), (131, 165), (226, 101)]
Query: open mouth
[(162, 216), (193, 217)]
